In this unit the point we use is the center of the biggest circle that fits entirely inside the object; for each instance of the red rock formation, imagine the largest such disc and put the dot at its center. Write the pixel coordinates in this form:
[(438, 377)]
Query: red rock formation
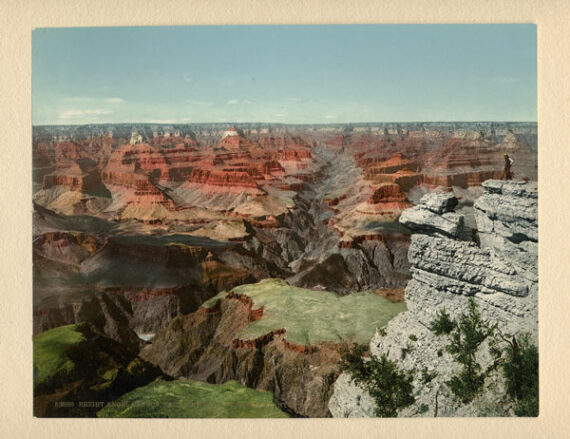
[(181, 159), (43, 154), (177, 141), (215, 309), (238, 164), (136, 167), (461, 153), (235, 142), (147, 193), (255, 170), (300, 349), (222, 178), (260, 342), (394, 295), (294, 154), (464, 160), (243, 298), (388, 193), (335, 201), (243, 156), (338, 140), (389, 166), (65, 151), (257, 343), (280, 142), (463, 179), (386, 199), (148, 159), (295, 187), (73, 176), (256, 314), (270, 167), (364, 143), (269, 222), (404, 178), (139, 158), (96, 149), (73, 182)]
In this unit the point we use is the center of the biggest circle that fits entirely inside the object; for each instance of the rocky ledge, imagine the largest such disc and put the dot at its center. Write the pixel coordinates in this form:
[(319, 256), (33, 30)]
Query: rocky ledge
[(498, 269), (434, 215)]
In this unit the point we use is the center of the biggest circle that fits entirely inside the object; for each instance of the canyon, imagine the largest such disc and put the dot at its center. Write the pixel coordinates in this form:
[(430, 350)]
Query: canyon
[(159, 238)]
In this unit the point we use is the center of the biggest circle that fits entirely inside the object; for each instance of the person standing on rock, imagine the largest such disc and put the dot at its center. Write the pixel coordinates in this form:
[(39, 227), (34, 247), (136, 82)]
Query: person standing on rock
[(508, 163)]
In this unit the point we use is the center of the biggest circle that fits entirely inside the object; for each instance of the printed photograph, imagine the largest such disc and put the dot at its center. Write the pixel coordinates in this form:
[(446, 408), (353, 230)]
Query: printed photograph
[(301, 221)]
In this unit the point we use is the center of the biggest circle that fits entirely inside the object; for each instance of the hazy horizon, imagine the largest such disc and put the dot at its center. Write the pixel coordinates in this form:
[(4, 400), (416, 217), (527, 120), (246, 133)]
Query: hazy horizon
[(299, 74), (292, 123)]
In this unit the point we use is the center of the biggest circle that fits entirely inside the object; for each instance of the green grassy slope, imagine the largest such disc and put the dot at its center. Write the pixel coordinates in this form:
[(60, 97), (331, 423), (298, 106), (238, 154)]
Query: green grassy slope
[(49, 352), (311, 316), (192, 399)]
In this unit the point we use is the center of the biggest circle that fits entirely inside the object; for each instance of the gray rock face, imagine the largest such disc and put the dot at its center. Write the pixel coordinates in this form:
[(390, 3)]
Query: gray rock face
[(433, 215), (350, 401), (439, 202), (461, 267), (421, 219), (507, 220), (501, 276)]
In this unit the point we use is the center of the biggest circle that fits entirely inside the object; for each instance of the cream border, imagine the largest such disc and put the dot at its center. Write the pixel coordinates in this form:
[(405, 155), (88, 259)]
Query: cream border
[(17, 20)]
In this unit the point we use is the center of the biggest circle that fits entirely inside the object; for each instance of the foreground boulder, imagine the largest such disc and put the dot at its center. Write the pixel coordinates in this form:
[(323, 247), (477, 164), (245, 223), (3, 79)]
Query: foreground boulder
[(434, 215)]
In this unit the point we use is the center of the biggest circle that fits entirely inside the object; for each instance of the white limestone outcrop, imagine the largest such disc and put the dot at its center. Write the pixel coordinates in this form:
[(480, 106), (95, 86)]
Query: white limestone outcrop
[(434, 215), (500, 274)]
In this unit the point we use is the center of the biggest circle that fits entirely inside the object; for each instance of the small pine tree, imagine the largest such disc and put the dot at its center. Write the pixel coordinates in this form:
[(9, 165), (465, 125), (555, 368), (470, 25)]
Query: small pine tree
[(442, 324), (390, 387), (467, 334), (521, 373), (427, 376), (518, 359)]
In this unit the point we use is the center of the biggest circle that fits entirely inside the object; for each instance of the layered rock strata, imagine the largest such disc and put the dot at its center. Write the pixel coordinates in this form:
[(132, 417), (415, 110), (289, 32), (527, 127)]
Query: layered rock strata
[(500, 274), (434, 215)]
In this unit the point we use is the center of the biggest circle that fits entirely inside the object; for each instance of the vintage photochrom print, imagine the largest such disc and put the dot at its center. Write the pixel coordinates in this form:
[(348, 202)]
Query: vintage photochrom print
[(285, 221)]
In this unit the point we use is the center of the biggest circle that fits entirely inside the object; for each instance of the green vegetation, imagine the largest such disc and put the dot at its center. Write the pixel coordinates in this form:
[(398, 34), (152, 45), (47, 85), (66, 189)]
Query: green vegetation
[(467, 334), (427, 375), (518, 360), (390, 387), (442, 324), (521, 372), (311, 316), (50, 348), (191, 399)]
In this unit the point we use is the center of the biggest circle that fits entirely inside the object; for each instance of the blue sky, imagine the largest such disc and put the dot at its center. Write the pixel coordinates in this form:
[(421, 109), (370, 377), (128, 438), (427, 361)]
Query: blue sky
[(288, 74)]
